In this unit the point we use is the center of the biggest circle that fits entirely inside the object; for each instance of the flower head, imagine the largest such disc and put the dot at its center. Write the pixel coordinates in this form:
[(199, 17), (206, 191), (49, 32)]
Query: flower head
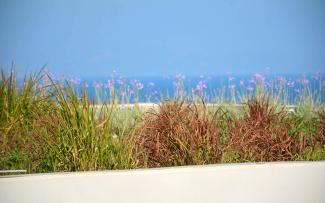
[(258, 78), (178, 80), (179, 77), (231, 78), (75, 80), (110, 84), (121, 80), (267, 84), (200, 86), (291, 84), (250, 88), (317, 76), (138, 85)]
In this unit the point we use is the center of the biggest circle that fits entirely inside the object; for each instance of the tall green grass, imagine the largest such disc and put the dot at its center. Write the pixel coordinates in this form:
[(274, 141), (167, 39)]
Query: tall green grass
[(51, 128), (20, 104)]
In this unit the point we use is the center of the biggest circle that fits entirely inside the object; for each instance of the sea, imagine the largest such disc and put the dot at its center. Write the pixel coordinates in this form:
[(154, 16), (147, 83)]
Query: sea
[(289, 89)]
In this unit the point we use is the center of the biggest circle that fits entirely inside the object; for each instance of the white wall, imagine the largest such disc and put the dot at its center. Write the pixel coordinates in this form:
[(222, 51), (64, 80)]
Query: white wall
[(265, 182)]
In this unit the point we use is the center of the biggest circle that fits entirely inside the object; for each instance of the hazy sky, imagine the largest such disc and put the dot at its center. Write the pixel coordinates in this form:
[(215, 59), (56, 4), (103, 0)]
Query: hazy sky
[(147, 37)]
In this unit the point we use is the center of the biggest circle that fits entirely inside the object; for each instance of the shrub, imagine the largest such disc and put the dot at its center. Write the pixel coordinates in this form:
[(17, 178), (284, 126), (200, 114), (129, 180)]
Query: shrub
[(179, 134), (321, 128), (262, 134)]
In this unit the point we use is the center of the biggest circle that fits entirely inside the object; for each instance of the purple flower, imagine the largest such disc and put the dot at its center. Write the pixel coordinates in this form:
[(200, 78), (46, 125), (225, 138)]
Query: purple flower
[(200, 86), (250, 88), (317, 76), (231, 78), (267, 84), (178, 80), (121, 80), (138, 84), (179, 77), (291, 84), (75, 80), (109, 84), (241, 82), (258, 78)]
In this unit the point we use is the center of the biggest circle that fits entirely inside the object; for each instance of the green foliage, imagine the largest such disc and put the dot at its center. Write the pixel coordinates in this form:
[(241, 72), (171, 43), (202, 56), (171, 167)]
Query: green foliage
[(20, 103), (85, 137), (311, 154), (48, 126)]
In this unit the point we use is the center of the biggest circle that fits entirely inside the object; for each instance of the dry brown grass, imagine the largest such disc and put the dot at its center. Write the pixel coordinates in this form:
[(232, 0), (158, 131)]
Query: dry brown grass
[(262, 135), (179, 134), (321, 128)]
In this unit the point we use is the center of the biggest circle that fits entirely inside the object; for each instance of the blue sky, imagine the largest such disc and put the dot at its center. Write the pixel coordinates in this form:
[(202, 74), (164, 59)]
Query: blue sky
[(143, 37)]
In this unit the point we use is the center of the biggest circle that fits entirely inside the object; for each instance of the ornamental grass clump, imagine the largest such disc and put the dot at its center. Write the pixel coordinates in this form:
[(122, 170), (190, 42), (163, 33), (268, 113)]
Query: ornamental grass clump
[(21, 103), (312, 138), (178, 134), (321, 128), (262, 134), (80, 135)]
